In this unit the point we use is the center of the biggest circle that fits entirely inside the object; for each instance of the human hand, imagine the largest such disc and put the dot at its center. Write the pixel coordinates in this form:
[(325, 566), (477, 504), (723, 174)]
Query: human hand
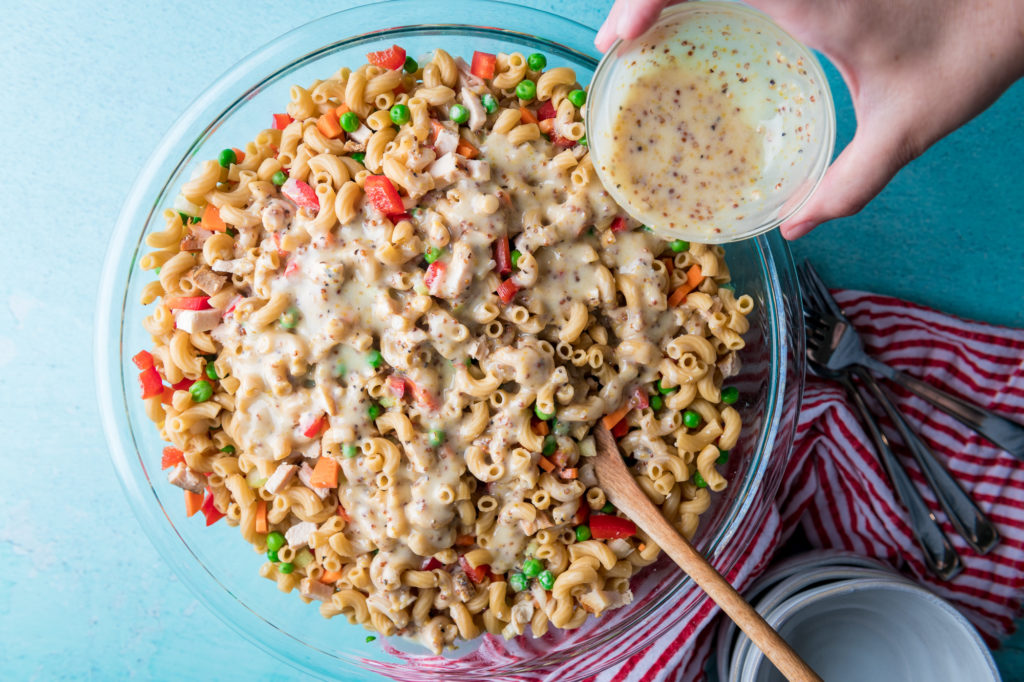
[(916, 70)]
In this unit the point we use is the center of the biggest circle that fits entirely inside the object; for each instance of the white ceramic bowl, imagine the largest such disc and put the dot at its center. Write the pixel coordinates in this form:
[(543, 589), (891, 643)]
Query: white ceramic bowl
[(878, 630)]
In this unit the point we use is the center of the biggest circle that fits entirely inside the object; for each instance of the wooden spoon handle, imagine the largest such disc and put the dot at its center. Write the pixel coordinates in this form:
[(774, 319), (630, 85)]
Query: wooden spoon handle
[(623, 492)]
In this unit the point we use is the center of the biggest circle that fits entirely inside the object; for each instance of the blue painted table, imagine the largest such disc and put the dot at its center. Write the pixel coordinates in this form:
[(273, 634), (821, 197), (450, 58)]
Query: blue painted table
[(88, 92)]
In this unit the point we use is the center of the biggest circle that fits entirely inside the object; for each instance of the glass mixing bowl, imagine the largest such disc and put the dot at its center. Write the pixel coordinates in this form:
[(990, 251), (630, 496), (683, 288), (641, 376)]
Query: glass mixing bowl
[(215, 562)]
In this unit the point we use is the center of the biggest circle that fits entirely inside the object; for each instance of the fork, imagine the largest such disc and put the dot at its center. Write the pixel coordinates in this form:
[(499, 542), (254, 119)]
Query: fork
[(832, 342), (939, 554)]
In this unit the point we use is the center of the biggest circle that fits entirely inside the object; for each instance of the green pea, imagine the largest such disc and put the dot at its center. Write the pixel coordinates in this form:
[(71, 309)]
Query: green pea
[(374, 411), (410, 65), (691, 419), (656, 402), (519, 582), (228, 449), (400, 114), (546, 579), (432, 254), (340, 369), (374, 358), (490, 104), (531, 568), (231, 232), (371, 638), (157, 271), (730, 394), (349, 451), (279, 178), (536, 61), (665, 390), (349, 122), (184, 217), (583, 141), (577, 97), (201, 391), (516, 255), (550, 446), (436, 438), (458, 113), (227, 157), (289, 318), (723, 456), (286, 568), (272, 555), (275, 540), (699, 481), (679, 245), (211, 372), (541, 414), (608, 508), (359, 156), (526, 90), (582, 533)]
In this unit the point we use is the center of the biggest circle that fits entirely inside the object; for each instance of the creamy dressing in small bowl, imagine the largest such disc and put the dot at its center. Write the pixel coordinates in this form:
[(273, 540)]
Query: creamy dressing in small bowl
[(713, 126)]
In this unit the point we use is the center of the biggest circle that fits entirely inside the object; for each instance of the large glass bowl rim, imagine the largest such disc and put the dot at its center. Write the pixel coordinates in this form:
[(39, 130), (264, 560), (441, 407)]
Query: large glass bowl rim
[(151, 192)]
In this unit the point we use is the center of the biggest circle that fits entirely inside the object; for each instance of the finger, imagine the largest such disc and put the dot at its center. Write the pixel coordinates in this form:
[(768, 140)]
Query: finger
[(640, 16), (863, 170), (609, 29)]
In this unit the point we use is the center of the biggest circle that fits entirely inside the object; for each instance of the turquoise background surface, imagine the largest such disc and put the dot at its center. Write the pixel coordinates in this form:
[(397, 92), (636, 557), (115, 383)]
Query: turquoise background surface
[(88, 91)]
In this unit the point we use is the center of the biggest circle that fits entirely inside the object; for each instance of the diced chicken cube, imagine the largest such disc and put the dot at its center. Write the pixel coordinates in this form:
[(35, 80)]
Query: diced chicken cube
[(463, 587), (298, 535), (192, 321), (185, 478), (207, 280), (280, 478), (314, 589), (478, 170), (446, 141), (276, 215), (306, 476), (361, 135), (477, 115), (238, 266), (194, 240), (730, 365), (444, 170)]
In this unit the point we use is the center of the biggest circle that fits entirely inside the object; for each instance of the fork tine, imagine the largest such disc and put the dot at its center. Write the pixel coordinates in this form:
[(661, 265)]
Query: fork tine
[(812, 300), (823, 292)]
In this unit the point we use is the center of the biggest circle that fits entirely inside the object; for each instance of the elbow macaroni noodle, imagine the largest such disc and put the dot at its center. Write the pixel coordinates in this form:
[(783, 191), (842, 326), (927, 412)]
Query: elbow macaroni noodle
[(410, 411)]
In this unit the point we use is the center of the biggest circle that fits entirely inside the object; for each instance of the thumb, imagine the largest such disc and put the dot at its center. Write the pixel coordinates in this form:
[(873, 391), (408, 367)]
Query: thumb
[(863, 170)]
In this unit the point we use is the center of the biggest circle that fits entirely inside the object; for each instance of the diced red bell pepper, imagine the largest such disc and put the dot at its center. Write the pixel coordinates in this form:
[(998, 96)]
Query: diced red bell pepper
[(292, 268), (152, 384), (563, 142), (168, 397), (183, 385), (640, 399), (434, 275), (397, 386), (210, 511), (391, 58), (422, 395), (315, 427), (172, 457), (582, 514), (430, 564), (620, 429), (608, 527), (282, 121), (619, 224), (507, 290), (383, 195), (477, 574), (546, 111), (188, 302), (483, 64), (302, 194), (502, 256), (143, 359), (397, 218)]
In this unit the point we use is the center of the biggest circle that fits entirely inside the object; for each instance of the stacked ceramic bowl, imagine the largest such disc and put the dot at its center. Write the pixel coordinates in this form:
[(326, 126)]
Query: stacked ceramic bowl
[(852, 618)]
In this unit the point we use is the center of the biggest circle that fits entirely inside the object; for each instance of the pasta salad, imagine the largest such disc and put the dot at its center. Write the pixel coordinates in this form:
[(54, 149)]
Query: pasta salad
[(383, 332)]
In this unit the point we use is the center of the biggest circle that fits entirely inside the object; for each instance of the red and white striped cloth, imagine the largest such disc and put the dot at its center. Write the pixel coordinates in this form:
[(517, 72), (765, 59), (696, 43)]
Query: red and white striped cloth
[(836, 490)]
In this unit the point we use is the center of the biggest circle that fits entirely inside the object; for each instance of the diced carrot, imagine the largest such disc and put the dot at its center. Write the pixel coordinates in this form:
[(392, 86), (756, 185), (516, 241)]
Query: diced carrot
[(527, 116), (613, 418), (239, 155), (465, 541), (193, 502), (570, 473), (540, 427), (329, 126), (331, 577), (261, 516), (693, 280), (467, 149), (435, 130), (211, 219), (344, 514), (341, 109), (546, 125), (641, 547), (546, 464), (560, 458), (670, 265), (325, 473)]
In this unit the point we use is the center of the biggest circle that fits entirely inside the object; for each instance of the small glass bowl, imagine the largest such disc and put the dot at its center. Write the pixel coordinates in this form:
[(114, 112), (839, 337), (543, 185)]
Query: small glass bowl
[(776, 78), (219, 566)]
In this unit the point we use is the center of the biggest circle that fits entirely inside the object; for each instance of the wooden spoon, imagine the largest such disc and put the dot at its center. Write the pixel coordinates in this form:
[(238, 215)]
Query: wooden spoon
[(623, 492)]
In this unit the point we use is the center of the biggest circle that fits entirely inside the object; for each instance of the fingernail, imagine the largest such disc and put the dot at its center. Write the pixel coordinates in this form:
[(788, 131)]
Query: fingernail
[(798, 230)]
